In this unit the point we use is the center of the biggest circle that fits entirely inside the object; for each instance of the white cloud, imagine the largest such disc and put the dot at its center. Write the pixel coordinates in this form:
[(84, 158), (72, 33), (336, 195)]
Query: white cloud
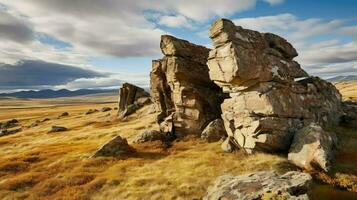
[(175, 21), (274, 2)]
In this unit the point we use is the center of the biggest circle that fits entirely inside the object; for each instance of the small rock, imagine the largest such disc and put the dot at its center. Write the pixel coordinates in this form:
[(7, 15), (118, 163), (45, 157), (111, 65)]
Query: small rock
[(115, 108), (105, 109), (36, 123), (116, 147), (65, 114), (312, 147), (58, 129), (91, 111), (214, 131), (227, 145), (261, 185), (9, 124), (9, 132), (149, 135), (45, 120)]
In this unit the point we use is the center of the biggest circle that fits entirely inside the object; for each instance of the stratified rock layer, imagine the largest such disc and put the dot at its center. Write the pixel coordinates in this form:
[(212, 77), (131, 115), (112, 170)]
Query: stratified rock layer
[(185, 97), (267, 106), (130, 95), (261, 185)]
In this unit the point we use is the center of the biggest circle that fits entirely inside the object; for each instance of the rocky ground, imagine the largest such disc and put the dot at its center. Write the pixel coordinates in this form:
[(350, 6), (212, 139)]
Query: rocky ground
[(38, 164)]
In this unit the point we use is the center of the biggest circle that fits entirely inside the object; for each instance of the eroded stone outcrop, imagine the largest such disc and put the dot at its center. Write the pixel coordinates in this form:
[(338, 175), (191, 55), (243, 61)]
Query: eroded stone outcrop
[(261, 185), (131, 98), (185, 97), (266, 105)]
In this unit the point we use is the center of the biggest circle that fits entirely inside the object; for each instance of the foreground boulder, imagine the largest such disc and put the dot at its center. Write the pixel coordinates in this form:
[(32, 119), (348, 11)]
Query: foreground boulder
[(261, 185), (131, 98), (313, 147), (267, 103), (116, 147), (185, 97), (149, 136), (214, 131)]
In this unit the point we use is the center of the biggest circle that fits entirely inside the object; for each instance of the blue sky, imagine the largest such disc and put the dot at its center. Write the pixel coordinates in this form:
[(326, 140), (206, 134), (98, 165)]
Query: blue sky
[(115, 40)]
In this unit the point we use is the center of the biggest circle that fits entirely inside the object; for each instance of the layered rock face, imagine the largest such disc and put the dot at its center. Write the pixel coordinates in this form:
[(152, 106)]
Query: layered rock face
[(266, 105), (131, 96), (185, 97)]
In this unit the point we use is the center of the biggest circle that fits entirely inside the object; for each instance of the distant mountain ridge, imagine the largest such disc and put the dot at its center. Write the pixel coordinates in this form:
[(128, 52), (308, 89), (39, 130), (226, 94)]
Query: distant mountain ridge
[(44, 94), (343, 78)]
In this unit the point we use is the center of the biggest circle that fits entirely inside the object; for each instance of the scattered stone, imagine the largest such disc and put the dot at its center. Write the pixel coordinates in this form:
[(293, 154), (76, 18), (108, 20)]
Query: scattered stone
[(148, 136), (105, 109), (313, 147), (115, 108), (64, 114), (180, 85), (9, 124), (214, 131), (266, 105), (261, 185), (91, 111), (58, 129), (131, 96), (9, 132), (116, 147), (36, 123), (349, 119), (227, 145), (45, 120)]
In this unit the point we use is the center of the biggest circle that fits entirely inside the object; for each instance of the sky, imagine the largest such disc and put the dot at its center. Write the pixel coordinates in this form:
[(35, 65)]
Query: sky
[(55, 44)]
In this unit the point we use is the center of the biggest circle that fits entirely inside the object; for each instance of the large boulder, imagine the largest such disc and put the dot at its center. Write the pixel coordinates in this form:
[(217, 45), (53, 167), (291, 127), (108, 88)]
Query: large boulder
[(261, 185), (129, 95), (271, 97), (185, 97), (313, 147), (116, 147)]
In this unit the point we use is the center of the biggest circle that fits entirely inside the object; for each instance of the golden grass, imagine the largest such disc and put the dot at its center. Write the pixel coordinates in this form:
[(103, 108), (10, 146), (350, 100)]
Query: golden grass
[(348, 89)]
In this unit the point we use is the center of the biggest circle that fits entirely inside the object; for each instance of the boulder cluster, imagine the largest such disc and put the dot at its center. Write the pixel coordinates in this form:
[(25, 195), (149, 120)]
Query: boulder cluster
[(247, 91), (249, 80)]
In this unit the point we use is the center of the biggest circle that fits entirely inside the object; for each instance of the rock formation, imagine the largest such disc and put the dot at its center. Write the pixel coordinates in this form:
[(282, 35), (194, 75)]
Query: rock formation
[(261, 185), (267, 105), (131, 98), (185, 97), (313, 147)]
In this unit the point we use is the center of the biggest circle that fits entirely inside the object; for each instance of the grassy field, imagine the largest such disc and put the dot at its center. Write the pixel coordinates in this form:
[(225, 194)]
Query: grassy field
[(36, 164)]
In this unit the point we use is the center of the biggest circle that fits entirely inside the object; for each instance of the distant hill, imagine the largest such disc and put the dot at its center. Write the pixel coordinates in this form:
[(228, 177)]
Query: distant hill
[(44, 94), (343, 78)]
